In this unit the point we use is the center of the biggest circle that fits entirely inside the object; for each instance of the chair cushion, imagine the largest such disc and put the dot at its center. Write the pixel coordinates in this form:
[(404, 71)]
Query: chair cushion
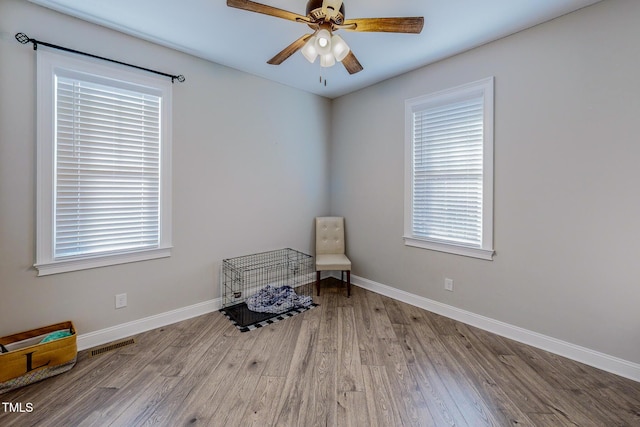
[(332, 262), (330, 235)]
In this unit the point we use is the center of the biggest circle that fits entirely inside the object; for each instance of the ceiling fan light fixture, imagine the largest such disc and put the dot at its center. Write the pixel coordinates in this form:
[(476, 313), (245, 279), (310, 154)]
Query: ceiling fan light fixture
[(326, 16), (323, 42), (327, 60), (339, 48), (309, 50)]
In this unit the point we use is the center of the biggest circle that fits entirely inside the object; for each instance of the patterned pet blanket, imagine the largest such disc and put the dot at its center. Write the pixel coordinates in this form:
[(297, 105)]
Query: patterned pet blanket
[(272, 299)]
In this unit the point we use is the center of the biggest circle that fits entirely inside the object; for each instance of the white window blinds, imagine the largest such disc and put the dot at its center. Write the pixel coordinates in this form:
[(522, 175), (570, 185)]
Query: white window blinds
[(447, 169), (103, 164), (107, 169)]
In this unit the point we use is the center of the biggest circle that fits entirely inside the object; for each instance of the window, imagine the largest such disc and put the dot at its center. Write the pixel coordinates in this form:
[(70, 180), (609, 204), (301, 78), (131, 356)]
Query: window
[(104, 178), (449, 171)]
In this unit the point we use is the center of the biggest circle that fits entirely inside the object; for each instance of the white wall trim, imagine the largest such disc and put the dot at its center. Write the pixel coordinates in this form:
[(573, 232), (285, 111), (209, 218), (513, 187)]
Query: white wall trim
[(584, 355), (135, 327)]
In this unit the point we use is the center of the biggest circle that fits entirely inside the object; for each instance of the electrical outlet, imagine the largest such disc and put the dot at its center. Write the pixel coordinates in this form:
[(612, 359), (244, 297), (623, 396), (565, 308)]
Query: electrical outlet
[(448, 284), (121, 300)]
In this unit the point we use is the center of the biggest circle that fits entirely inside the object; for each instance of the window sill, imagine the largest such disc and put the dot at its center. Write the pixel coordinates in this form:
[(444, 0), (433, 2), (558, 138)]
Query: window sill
[(486, 254), (55, 267)]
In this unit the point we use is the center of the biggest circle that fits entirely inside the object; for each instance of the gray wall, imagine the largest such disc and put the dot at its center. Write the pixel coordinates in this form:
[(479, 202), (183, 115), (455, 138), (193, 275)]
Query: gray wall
[(567, 204), (244, 178)]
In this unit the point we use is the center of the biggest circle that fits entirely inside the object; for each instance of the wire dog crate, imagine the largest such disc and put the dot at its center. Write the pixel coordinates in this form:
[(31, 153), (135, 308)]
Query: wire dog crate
[(261, 286)]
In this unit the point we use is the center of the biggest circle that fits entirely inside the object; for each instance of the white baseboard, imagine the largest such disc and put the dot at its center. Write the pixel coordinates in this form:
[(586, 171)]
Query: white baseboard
[(584, 355), (135, 327)]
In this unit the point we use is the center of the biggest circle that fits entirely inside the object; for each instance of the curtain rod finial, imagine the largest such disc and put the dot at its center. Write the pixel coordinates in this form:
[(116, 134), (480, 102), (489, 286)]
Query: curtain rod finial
[(22, 38)]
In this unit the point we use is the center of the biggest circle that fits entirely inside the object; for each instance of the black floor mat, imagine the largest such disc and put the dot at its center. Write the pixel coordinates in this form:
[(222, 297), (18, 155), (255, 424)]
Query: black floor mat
[(247, 320)]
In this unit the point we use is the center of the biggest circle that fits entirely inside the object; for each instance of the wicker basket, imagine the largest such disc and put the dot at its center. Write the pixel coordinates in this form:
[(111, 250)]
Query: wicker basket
[(36, 361)]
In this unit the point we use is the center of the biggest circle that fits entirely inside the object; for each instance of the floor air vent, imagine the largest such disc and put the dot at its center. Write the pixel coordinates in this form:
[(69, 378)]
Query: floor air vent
[(110, 347)]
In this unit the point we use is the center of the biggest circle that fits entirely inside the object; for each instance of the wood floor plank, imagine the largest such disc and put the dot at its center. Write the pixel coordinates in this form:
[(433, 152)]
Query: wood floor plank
[(412, 407), (441, 406), (79, 411), (321, 404), (505, 410), (144, 351), (328, 327), (349, 364), (380, 402), (366, 360), (263, 402), (585, 391), (547, 390), (211, 336), (471, 410), (350, 409), (236, 397), (283, 341), (550, 420), (299, 378), (396, 311), (365, 331), (379, 316), (557, 402), (202, 403), (197, 387), (118, 403), (625, 406), (497, 370), (469, 401), (442, 325), (407, 341), (141, 405)]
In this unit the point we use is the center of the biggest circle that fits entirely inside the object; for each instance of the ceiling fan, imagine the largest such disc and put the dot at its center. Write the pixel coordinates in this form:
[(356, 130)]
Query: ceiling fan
[(325, 17)]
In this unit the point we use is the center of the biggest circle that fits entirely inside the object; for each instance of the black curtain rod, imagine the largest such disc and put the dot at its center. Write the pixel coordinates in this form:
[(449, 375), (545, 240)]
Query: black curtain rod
[(24, 39)]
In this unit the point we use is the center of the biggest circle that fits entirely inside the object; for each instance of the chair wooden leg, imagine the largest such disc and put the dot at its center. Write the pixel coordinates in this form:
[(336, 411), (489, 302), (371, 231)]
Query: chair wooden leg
[(318, 282), (348, 283)]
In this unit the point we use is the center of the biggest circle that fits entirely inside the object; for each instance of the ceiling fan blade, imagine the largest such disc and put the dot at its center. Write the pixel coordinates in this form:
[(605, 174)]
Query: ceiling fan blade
[(351, 63), (289, 50), (387, 25), (266, 10)]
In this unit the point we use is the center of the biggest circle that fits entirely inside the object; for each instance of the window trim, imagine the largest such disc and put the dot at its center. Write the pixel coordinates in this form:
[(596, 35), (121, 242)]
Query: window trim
[(484, 87), (49, 63)]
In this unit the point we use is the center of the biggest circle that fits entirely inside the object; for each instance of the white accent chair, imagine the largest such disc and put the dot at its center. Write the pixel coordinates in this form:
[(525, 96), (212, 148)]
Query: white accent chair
[(330, 249)]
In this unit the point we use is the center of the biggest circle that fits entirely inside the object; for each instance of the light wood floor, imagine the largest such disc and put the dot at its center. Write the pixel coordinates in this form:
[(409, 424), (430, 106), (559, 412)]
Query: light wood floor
[(363, 361)]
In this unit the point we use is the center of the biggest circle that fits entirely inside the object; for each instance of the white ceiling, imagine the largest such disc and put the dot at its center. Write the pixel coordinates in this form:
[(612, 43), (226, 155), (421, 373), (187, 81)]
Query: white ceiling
[(245, 40)]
